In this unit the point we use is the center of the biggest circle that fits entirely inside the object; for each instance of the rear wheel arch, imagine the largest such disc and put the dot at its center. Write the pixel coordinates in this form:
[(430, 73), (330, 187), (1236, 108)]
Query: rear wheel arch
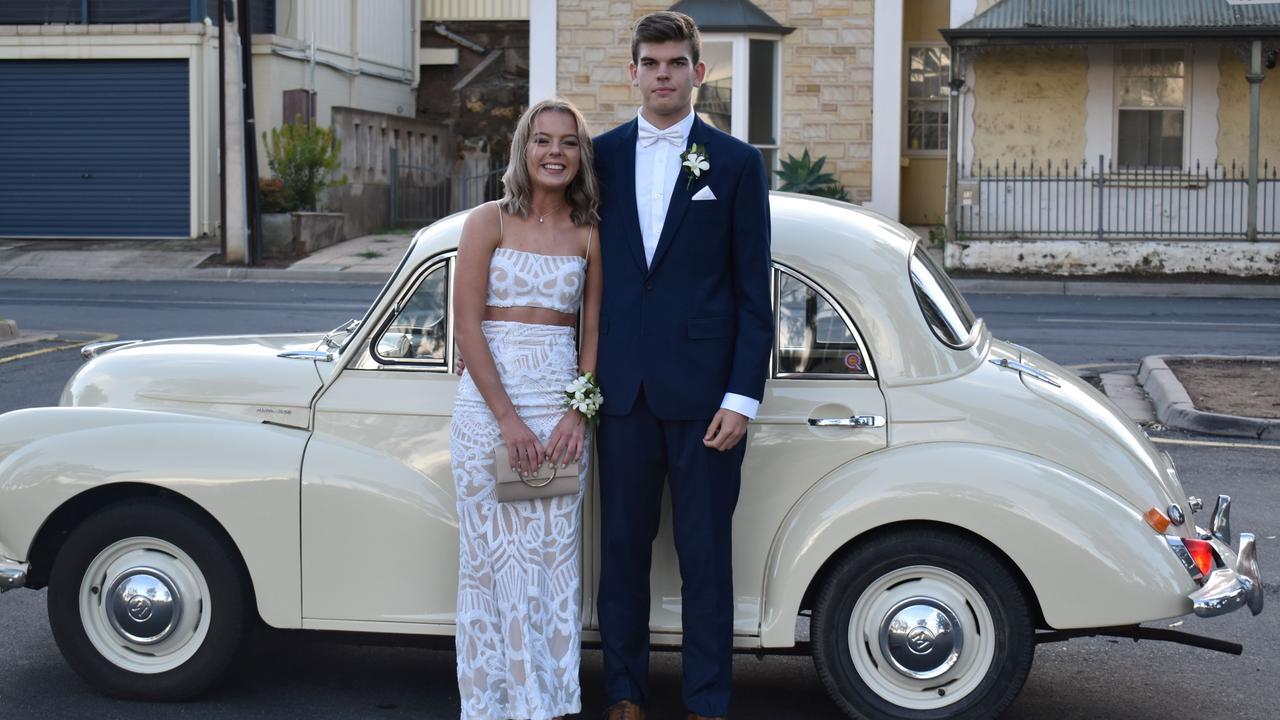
[(819, 579)]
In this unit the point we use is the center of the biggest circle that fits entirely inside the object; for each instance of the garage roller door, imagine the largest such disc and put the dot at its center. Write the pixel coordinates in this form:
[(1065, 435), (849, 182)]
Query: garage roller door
[(94, 148)]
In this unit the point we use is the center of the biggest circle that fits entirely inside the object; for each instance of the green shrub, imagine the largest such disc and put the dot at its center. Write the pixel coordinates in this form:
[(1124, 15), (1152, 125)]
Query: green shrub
[(271, 193), (803, 175), (304, 158)]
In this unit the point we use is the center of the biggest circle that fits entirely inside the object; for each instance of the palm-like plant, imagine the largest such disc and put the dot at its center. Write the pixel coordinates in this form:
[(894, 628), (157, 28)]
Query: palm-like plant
[(804, 175)]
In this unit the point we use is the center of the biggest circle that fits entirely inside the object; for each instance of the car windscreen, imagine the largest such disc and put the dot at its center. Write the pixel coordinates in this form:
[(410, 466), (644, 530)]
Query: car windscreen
[(944, 307)]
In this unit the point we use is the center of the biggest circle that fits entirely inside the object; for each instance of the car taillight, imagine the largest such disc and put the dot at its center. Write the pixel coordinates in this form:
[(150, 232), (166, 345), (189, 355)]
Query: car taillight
[(1201, 552)]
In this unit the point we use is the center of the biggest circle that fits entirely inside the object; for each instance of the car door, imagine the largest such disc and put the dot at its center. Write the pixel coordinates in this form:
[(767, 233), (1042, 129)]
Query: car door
[(379, 521), (821, 379)]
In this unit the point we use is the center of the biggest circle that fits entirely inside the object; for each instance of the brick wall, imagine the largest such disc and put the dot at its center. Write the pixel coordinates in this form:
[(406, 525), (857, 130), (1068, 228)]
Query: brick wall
[(826, 75)]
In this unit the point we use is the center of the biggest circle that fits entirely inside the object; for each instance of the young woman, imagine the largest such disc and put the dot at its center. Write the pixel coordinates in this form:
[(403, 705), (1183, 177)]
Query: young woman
[(526, 265)]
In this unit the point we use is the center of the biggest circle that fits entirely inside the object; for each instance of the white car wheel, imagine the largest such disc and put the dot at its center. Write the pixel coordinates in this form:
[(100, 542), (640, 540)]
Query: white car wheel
[(147, 600), (145, 605), (922, 623), (921, 637)]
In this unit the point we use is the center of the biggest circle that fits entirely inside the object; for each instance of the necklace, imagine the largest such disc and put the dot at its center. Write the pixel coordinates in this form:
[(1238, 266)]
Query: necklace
[(549, 212)]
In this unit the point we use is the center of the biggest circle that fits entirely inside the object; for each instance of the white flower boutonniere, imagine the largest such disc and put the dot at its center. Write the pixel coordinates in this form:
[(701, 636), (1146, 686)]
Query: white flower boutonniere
[(696, 161)]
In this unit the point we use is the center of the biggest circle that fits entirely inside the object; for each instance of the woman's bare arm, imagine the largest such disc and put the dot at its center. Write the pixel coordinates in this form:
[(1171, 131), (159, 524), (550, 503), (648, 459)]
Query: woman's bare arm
[(480, 237)]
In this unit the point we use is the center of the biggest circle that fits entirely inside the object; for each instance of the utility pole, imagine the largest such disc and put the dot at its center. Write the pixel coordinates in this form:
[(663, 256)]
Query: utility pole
[(222, 125), (250, 138)]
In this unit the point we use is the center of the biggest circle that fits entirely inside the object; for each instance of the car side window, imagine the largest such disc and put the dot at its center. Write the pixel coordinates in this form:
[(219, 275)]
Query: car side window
[(418, 333), (813, 337)]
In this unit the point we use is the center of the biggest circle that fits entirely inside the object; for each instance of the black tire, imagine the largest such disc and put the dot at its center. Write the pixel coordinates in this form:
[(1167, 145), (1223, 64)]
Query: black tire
[(214, 561), (929, 554)]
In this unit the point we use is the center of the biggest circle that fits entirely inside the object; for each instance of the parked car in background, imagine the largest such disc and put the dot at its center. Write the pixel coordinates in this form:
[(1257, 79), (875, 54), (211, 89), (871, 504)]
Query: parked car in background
[(939, 500)]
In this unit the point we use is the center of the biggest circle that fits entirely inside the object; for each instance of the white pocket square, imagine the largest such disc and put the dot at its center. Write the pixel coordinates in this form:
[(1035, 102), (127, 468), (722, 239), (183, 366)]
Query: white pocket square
[(704, 194)]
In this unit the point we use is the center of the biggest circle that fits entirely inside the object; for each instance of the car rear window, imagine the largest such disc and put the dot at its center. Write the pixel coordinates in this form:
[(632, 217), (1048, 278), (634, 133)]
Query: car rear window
[(944, 307)]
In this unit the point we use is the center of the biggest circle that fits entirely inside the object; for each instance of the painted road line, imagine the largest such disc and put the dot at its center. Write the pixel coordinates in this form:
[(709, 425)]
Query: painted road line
[(99, 337), (172, 302), (1212, 443), (1085, 321)]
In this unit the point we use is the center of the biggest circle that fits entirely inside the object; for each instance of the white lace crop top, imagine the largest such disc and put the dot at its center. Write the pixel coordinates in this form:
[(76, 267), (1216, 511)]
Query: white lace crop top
[(525, 279)]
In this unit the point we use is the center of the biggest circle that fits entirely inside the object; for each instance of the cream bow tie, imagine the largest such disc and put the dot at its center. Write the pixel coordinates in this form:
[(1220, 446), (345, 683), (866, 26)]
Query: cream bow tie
[(649, 136)]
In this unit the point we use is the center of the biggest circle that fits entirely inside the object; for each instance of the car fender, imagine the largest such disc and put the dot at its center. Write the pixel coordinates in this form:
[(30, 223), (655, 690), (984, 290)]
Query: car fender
[(245, 475), (1089, 557)]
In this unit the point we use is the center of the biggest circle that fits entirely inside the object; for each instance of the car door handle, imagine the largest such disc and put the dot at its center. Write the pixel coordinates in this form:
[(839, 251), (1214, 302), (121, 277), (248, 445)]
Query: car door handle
[(318, 355), (854, 421)]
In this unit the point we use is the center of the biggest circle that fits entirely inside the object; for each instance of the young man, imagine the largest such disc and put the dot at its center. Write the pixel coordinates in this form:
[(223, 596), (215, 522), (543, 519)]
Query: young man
[(685, 332)]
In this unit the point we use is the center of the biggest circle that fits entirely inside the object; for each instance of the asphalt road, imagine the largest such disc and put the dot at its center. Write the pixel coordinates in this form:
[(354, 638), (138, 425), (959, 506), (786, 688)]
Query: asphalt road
[(284, 675)]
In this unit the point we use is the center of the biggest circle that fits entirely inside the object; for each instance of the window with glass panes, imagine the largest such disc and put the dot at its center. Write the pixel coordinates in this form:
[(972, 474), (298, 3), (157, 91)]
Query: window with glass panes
[(928, 69), (1151, 100), (739, 93)]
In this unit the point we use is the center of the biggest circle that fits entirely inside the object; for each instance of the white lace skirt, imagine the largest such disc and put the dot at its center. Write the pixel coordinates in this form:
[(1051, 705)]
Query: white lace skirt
[(519, 616)]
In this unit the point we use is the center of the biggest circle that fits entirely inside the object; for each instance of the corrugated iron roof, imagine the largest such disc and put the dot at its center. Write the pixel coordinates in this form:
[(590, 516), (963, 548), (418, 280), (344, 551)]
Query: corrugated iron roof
[(1127, 17)]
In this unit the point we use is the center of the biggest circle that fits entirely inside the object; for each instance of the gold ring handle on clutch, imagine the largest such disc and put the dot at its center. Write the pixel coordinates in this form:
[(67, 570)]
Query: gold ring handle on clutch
[(554, 471)]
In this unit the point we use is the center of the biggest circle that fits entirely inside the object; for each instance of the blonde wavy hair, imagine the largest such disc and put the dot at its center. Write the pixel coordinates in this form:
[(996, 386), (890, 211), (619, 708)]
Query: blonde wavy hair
[(583, 193)]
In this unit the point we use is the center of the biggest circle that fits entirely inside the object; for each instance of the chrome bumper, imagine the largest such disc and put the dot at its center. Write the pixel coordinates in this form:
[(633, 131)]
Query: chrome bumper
[(13, 574), (1239, 583)]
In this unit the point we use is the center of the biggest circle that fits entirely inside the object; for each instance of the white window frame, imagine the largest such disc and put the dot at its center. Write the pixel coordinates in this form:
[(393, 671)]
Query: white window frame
[(907, 150), (740, 44), (1187, 58)]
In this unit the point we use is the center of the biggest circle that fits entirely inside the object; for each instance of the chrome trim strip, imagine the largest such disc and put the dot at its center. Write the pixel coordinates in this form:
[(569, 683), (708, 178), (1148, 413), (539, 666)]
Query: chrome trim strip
[(1024, 369), (13, 574), (317, 355), (1184, 556), (1220, 525), (93, 350)]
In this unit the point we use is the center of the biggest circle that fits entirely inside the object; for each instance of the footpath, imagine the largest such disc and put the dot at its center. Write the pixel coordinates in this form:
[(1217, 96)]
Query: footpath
[(1155, 394)]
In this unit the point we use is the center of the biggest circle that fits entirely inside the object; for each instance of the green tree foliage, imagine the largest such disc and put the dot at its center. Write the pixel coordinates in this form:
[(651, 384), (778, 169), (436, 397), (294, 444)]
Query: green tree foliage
[(804, 175), (305, 158)]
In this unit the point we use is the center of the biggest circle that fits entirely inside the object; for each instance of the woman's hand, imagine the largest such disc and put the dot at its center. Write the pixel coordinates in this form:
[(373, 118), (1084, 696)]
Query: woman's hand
[(567, 440), (523, 448)]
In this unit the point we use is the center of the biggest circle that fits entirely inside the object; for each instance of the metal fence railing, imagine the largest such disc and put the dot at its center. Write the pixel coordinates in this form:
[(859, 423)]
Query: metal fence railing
[(421, 194), (1046, 201)]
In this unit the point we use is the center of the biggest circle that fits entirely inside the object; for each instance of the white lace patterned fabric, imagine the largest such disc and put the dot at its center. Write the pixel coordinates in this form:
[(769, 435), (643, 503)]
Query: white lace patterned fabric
[(519, 616), (524, 279)]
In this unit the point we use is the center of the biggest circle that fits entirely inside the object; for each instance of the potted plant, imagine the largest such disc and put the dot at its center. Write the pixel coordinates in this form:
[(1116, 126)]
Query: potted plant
[(277, 223), (305, 161), (805, 175)]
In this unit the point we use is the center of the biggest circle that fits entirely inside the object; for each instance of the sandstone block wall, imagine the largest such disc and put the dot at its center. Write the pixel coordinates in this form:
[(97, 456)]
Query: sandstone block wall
[(826, 75)]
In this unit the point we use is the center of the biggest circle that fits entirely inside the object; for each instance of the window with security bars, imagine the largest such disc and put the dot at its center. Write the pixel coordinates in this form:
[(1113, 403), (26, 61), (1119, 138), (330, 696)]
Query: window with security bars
[(928, 69), (1151, 99)]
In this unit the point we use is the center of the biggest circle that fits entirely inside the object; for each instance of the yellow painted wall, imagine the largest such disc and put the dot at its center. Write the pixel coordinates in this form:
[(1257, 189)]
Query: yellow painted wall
[(1029, 105), (924, 191), (984, 5), (922, 18), (923, 194), (1233, 113)]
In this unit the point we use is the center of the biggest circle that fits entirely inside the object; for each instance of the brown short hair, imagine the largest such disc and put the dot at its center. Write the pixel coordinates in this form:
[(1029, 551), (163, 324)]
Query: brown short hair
[(666, 26), (583, 193)]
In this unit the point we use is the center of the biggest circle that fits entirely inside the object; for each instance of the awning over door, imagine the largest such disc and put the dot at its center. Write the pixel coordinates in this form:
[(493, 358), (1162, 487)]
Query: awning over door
[(94, 148)]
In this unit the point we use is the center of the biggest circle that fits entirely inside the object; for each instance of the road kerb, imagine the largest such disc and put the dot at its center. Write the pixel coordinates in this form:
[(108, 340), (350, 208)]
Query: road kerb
[(1175, 408)]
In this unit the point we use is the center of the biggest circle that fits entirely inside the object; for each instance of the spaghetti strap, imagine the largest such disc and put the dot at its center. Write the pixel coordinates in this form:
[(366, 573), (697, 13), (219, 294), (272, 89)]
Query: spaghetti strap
[(499, 223), (590, 234)]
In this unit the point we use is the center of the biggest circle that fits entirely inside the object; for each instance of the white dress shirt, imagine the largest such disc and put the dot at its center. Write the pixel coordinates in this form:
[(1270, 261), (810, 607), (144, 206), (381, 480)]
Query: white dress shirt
[(657, 170)]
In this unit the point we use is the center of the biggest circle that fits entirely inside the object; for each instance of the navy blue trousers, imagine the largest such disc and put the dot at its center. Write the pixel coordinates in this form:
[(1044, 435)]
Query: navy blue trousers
[(637, 453)]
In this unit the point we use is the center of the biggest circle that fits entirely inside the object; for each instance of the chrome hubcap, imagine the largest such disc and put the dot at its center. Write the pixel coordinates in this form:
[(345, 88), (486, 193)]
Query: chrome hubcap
[(143, 605), (921, 637)]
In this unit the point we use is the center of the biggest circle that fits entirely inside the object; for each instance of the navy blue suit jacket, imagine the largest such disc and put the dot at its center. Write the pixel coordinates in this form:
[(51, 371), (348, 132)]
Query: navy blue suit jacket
[(698, 321)]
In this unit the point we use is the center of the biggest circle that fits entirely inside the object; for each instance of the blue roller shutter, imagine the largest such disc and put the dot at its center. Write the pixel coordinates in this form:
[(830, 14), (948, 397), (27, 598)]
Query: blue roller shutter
[(94, 148)]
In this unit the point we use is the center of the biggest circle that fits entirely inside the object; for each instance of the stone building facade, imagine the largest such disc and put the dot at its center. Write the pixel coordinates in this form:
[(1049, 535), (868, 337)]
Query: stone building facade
[(826, 90)]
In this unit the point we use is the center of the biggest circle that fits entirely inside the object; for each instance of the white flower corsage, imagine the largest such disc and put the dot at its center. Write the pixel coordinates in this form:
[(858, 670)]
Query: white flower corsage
[(696, 161), (584, 396)]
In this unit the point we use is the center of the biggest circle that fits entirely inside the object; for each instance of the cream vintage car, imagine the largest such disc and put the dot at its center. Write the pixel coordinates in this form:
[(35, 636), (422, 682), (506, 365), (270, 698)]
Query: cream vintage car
[(936, 499)]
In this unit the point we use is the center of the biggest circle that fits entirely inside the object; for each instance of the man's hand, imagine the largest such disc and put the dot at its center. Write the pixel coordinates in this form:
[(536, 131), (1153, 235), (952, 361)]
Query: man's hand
[(726, 430)]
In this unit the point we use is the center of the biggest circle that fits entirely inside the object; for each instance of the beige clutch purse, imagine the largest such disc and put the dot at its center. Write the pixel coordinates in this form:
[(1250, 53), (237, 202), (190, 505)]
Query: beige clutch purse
[(550, 480)]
